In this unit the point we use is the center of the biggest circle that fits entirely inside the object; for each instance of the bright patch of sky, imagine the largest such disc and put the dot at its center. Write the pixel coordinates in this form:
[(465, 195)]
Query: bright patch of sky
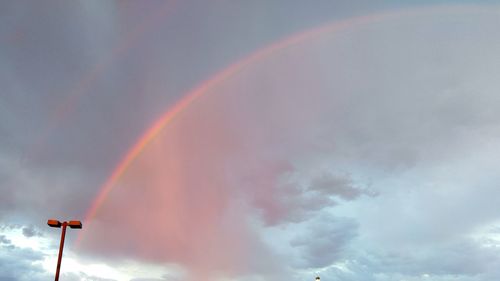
[(72, 264)]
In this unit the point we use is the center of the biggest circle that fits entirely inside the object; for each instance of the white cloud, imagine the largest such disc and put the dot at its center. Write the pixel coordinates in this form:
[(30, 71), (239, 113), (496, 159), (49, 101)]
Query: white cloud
[(35, 258)]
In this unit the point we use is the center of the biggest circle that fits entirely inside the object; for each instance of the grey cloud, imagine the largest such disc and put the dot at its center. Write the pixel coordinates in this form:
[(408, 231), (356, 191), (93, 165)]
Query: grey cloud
[(373, 102), (325, 241), (46, 49), (283, 196), (462, 257), (4, 240), (37, 194), (288, 202), (342, 186), (31, 231), (7, 200), (462, 260)]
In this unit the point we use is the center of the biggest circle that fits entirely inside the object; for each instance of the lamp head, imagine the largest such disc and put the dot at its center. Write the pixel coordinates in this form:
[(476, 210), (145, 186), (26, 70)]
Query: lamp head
[(54, 223), (75, 224)]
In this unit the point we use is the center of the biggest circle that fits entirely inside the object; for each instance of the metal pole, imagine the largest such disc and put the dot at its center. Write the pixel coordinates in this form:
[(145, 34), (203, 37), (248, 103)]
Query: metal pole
[(61, 246)]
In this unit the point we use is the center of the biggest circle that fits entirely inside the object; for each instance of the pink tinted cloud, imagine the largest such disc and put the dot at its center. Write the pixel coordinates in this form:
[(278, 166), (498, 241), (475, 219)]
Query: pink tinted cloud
[(192, 196)]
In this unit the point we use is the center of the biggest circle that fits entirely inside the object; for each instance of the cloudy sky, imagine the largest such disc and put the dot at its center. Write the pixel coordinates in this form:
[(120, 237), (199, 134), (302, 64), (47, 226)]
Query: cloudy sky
[(251, 140)]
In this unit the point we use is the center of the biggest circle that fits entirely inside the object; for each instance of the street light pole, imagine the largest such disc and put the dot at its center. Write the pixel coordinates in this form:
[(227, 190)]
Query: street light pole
[(58, 224), (61, 247)]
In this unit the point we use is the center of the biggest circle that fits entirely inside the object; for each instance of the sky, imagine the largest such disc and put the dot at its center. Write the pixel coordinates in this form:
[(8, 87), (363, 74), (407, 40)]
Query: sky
[(250, 140)]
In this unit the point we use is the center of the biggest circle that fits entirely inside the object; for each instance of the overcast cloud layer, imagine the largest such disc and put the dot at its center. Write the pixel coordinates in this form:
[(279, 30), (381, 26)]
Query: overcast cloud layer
[(386, 122), (363, 153)]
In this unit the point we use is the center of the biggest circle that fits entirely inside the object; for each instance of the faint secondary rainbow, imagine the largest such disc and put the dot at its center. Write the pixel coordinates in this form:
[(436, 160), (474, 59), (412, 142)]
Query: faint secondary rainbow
[(233, 69), (80, 89)]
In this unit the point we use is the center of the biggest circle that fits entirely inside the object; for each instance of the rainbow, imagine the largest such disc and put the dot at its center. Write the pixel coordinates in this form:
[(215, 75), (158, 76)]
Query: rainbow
[(233, 69)]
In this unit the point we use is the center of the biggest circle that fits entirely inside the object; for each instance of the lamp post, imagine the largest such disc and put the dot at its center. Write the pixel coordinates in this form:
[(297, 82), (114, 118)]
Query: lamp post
[(58, 224)]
